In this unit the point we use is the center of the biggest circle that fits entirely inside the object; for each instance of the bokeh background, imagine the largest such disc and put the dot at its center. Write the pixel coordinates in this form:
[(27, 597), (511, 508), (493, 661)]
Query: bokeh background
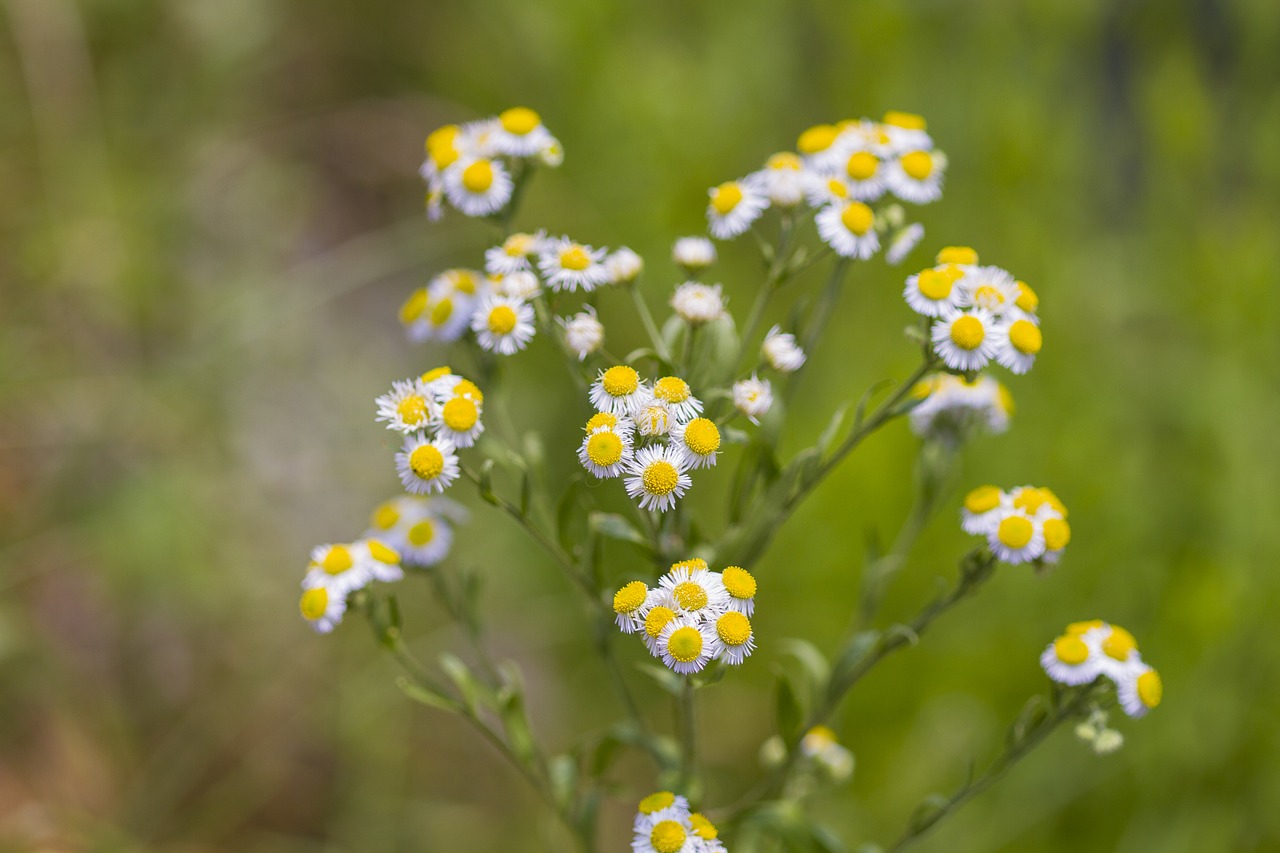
[(211, 213)]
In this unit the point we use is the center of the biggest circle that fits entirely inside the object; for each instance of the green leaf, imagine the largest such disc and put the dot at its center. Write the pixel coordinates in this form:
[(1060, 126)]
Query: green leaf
[(462, 677), (563, 771), (829, 434), (1029, 719), (526, 493), (615, 526), (665, 678), (486, 483), (814, 661), (430, 698), (790, 712), (510, 701)]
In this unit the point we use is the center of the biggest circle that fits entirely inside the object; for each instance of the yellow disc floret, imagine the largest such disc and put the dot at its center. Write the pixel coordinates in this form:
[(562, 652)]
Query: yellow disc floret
[(519, 120), (906, 121), (656, 802), (733, 628), (685, 644), (1119, 644), (1030, 500), (604, 448), (338, 560), (967, 332), (575, 258), (739, 582), (630, 597), (934, 285), (1027, 299), (1025, 337), (427, 462), (726, 197), (412, 409), (917, 164), (958, 255), (982, 499), (502, 319), (690, 595), (441, 311), (1150, 688), (672, 389), (702, 827), (1071, 650), (620, 381), (1057, 533), (383, 553), (783, 160), (435, 373), (701, 436), (314, 603), (1078, 628), (862, 165), (385, 516), (657, 620), (422, 533), (414, 306), (858, 218), (817, 138), (442, 145), (1015, 532), (600, 419), (667, 836), (467, 388), (517, 245), (460, 414), (478, 177), (660, 478)]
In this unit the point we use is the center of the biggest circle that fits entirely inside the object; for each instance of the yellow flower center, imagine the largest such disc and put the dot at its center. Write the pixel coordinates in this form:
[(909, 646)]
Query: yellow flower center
[(478, 177), (1057, 533), (467, 388), (837, 189), (701, 436), (1027, 299), (1005, 398), (435, 373), (693, 565), (733, 628), (414, 306), (660, 478), (924, 388), (519, 120), (442, 145), (657, 620), (726, 197), (1070, 650), (630, 597), (862, 165), (982, 499), (918, 165), (575, 258), (1078, 628), (1025, 337), (989, 297), (1015, 532), (385, 516), (441, 311), (426, 462), (906, 121), (685, 645), (600, 419), (422, 533), (967, 332), (1150, 688), (1030, 500), (337, 561), (1054, 501), (412, 409), (620, 381), (823, 734), (702, 827), (604, 449), (934, 285), (817, 138), (958, 255), (673, 389), (382, 553), (858, 218), (739, 582), (1119, 644), (690, 596), (502, 319), (783, 160), (656, 802), (517, 245), (314, 603), (462, 280), (460, 414), (668, 836)]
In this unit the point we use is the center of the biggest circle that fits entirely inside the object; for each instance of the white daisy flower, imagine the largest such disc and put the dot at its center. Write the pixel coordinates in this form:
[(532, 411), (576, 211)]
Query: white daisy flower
[(781, 351), (1139, 690), (654, 418), (460, 421), (698, 440), (901, 244), (551, 154), (336, 568), (521, 284), (693, 253), (823, 191), (741, 586), (698, 594), (605, 452), (963, 340), (1016, 344), (322, 609), (1119, 652), (424, 536), (583, 332), (932, 292), (864, 175), (1057, 534), (707, 832), (1070, 660), (988, 287), (916, 176), (628, 602), (1016, 537), (687, 646), (441, 381), (520, 133), (624, 266), (516, 253), (698, 303), (660, 806), (502, 324), (962, 256), (905, 132), (849, 229), (443, 148), (734, 206), (657, 616), (571, 266), (618, 391), (674, 393), (753, 397), (658, 477), (622, 425), (667, 836), (782, 179), (952, 408), (818, 147), (1027, 302), (441, 312), (381, 561), (407, 407), (733, 630), (478, 187), (981, 512), (427, 465)]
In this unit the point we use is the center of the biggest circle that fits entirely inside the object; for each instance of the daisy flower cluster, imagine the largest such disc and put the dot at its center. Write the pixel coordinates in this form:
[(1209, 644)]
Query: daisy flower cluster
[(475, 166), (952, 407), (839, 171), (979, 313), (665, 824), (650, 434), (1024, 525), (692, 617), (438, 413), (1089, 650)]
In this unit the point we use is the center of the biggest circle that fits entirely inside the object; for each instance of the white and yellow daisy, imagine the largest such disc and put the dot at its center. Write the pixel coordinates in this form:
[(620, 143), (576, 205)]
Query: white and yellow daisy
[(698, 303), (623, 265), (1016, 537), (1057, 535), (905, 132), (698, 440), (753, 397), (823, 191), (849, 229), (981, 511), (741, 586), (618, 390), (916, 176), (707, 833), (864, 175), (963, 339), (987, 287), (674, 393), (657, 617), (628, 602), (697, 593), (421, 532), (1139, 690), (407, 407), (782, 179), (620, 424), (478, 187), (605, 452), (902, 242), (817, 145), (962, 256), (441, 381), (693, 253), (1016, 344), (551, 154), (734, 206), (1071, 659), (932, 292), (687, 646), (658, 477), (660, 806), (1027, 302), (502, 324), (460, 421), (672, 835), (654, 418), (516, 253), (521, 284), (427, 465), (733, 630), (951, 408), (336, 568), (520, 133), (322, 608), (583, 332), (571, 266), (380, 560), (781, 351)]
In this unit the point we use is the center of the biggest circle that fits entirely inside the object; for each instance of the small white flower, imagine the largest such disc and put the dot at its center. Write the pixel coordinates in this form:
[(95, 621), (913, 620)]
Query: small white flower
[(963, 340), (381, 561), (818, 146), (698, 303), (864, 174), (322, 609), (676, 395), (520, 133), (849, 229), (698, 594), (1016, 344), (901, 244), (1074, 658), (478, 187), (782, 179), (658, 612), (551, 154), (567, 265), (693, 253), (822, 190), (623, 266), (502, 324), (916, 176), (654, 418), (734, 206), (605, 452), (687, 646), (335, 568), (905, 132), (658, 807), (741, 586), (427, 465), (933, 292), (753, 397), (1139, 690), (417, 527), (781, 351), (952, 407), (628, 604), (583, 332), (658, 477), (820, 744), (733, 630), (408, 407), (981, 511), (460, 421), (1016, 537), (521, 284), (618, 391), (516, 253), (698, 440), (987, 287)]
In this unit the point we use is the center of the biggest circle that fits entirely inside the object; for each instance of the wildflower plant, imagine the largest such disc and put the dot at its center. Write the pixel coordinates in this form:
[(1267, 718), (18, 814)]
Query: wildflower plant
[(702, 392)]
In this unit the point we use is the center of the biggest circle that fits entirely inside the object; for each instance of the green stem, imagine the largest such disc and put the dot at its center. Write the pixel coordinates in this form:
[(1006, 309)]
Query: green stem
[(688, 733), (646, 319)]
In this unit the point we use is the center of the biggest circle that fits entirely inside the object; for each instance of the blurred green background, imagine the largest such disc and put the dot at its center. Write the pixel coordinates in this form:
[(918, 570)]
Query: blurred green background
[(211, 214)]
